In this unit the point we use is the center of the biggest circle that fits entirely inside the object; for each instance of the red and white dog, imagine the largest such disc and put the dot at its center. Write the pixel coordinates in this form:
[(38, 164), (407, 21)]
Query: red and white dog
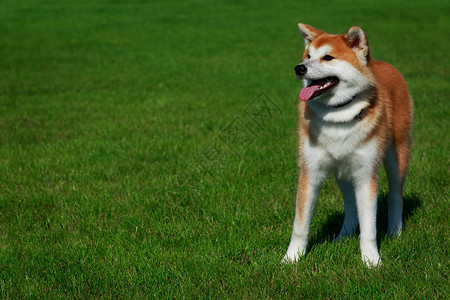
[(355, 112)]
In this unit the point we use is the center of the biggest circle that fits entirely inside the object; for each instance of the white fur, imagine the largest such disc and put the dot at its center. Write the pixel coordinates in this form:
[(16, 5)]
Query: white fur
[(340, 150), (355, 167), (340, 138), (343, 114), (300, 231), (362, 48), (316, 54), (367, 215), (351, 81)]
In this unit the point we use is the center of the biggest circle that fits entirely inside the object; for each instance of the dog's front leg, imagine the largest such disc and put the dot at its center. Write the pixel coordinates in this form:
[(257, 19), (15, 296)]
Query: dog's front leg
[(308, 190), (366, 202)]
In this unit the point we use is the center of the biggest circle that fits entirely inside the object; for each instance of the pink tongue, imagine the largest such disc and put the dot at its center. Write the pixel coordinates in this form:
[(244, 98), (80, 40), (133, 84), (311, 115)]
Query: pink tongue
[(307, 92)]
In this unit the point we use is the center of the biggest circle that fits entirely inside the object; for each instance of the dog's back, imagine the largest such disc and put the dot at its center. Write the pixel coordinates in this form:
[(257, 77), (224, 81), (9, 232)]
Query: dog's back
[(392, 89)]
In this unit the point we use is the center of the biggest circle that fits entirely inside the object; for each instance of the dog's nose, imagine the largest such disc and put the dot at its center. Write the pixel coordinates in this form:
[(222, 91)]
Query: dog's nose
[(300, 69)]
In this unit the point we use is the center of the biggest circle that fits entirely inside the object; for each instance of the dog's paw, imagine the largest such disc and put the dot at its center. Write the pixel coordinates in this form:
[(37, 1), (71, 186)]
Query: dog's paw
[(373, 261), (292, 255), (289, 260)]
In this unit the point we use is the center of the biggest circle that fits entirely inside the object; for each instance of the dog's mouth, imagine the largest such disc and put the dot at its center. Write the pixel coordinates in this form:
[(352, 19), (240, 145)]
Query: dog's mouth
[(317, 88)]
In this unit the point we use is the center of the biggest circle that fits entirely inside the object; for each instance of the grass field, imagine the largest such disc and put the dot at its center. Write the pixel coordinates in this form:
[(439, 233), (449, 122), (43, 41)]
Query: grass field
[(134, 161)]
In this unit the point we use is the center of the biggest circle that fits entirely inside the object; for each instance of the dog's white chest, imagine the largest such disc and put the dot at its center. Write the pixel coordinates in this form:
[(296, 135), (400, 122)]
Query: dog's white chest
[(339, 140), (339, 148)]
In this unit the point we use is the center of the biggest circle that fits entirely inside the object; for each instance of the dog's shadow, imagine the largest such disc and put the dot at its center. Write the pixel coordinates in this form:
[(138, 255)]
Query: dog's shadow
[(330, 229)]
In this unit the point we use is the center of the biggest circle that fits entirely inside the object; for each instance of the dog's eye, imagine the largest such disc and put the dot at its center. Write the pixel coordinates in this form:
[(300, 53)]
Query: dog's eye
[(309, 56), (328, 57)]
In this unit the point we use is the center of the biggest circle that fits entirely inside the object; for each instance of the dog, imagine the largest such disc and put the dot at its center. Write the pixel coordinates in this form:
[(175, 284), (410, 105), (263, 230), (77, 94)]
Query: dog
[(355, 113)]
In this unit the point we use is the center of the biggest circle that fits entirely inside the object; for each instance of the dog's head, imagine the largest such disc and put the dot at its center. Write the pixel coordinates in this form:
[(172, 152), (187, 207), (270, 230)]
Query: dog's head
[(335, 68)]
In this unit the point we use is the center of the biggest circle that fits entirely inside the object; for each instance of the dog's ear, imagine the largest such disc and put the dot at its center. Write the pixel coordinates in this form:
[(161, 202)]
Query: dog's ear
[(309, 33), (357, 40)]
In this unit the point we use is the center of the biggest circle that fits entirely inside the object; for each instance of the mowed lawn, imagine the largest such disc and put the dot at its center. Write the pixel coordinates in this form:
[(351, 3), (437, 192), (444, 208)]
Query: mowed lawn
[(149, 149)]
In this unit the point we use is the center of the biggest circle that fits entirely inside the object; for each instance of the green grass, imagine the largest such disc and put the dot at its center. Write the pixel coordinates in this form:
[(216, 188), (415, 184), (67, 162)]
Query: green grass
[(108, 107)]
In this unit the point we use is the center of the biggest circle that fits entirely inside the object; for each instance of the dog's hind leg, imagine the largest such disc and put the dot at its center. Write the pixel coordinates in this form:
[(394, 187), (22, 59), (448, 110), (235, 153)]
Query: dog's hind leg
[(396, 163), (351, 214)]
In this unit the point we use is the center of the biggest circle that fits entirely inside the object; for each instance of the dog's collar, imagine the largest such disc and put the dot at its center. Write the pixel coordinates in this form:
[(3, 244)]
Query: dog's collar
[(358, 116), (343, 104)]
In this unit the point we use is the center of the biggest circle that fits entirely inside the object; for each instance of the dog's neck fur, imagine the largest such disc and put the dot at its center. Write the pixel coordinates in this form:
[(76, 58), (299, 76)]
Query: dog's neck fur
[(345, 103), (358, 116), (339, 130), (348, 111)]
